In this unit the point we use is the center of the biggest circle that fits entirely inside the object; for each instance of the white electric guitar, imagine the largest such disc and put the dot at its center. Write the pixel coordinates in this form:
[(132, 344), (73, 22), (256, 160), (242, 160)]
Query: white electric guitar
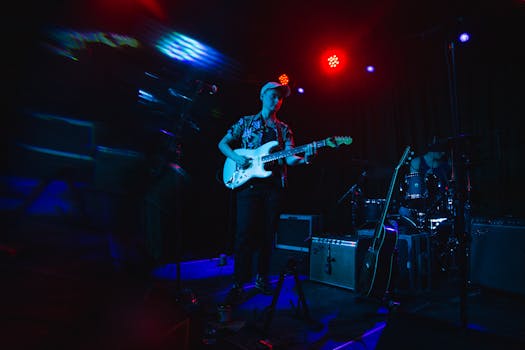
[(234, 175)]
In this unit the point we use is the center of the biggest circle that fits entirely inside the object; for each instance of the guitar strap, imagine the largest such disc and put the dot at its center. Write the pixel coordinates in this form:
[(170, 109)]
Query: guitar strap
[(283, 169), (284, 166)]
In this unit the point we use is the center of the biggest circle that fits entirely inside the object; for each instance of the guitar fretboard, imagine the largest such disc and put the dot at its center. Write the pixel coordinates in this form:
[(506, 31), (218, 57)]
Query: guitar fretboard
[(379, 226), (289, 152)]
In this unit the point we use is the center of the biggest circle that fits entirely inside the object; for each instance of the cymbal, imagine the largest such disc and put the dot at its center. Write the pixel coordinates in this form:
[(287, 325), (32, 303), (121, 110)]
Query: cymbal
[(445, 143)]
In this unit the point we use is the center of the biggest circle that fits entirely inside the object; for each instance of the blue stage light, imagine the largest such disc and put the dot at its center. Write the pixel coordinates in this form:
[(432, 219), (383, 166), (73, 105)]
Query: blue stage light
[(464, 37)]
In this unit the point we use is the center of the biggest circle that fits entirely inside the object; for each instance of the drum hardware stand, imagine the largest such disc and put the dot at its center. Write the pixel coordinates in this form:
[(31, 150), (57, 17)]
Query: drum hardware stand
[(464, 237), (462, 221)]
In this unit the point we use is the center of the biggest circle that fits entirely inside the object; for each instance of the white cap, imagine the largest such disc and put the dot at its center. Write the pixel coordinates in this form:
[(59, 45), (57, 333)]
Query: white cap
[(285, 89)]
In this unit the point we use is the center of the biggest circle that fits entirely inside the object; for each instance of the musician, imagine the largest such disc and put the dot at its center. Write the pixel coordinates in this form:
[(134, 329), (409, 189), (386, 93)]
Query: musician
[(258, 201)]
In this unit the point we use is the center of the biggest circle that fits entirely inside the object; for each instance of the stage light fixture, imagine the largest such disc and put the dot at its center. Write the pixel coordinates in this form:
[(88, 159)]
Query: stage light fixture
[(188, 50), (370, 69), (464, 37), (284, 79), (300, 90), (333, 61)]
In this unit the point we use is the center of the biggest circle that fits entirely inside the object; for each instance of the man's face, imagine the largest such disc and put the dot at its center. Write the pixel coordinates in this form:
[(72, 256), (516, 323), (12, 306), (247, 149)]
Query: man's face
[(438, 154), (272, 99)]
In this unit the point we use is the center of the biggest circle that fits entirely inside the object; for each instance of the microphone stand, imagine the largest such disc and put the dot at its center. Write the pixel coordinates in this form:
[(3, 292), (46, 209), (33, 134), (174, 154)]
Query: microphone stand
[(174, 146), (342, 198), (462, 191), (356, 191)]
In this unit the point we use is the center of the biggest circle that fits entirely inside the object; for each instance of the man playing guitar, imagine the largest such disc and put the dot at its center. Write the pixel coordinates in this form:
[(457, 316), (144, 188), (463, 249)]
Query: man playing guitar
[(259, 197)]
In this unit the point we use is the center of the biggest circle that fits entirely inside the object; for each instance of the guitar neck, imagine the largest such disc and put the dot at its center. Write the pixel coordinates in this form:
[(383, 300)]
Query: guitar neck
[(382, 218), (289, 152), (387, 202)]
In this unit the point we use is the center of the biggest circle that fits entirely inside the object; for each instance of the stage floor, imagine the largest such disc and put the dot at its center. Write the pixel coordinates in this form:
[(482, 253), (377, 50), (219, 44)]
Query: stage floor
[(62, 288)]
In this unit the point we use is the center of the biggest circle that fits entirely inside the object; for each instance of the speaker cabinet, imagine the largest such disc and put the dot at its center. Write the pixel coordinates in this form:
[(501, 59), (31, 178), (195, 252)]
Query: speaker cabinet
[(333, 261), (295, 231), (497, 257)]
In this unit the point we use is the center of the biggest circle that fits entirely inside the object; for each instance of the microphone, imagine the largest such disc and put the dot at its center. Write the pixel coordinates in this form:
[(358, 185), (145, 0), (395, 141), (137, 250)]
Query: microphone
[(203, 87)]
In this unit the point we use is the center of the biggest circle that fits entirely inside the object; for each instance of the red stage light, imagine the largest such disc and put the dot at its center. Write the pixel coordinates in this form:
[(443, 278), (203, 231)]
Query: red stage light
[(333, 61)]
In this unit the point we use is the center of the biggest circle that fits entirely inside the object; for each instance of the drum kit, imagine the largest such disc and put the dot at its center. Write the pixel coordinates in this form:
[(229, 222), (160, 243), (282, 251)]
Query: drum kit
[(424, 204), (426, 199), (430, 203), (423, 200), (427, 202)]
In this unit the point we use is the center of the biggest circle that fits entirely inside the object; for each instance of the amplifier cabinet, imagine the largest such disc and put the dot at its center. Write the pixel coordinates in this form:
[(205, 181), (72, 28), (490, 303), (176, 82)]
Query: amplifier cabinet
[(333, 261), (497, 257), (294, 232)]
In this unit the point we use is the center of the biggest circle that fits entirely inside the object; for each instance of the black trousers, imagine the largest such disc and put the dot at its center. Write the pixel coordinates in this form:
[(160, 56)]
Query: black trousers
[(258, 208)]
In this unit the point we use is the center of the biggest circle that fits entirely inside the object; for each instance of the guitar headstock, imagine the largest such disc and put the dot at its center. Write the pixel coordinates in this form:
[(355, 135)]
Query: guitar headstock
[(404, 157), (336, 141)]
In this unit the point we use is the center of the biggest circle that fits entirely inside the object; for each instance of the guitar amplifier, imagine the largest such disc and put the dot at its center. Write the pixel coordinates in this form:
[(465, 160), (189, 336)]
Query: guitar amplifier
[(333, 261), (295, 231), (497, 256)]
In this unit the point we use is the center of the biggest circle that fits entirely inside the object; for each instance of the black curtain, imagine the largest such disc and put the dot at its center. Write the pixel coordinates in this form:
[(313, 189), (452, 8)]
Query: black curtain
[(428, 85)]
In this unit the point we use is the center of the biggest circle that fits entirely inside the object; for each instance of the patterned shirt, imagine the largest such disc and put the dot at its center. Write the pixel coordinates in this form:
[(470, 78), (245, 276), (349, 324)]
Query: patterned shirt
[(252, 132), (249, 131)]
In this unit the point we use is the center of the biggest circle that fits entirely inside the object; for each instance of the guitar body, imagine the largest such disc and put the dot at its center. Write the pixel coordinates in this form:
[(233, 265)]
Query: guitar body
[(376, 271), (235, 176)]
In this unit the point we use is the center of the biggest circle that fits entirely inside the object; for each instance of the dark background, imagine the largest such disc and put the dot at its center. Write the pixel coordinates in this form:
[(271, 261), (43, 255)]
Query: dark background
[(407, 101)]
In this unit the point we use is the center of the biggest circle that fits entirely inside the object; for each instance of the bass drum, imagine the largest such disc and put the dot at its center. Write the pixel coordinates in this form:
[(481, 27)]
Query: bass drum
[(414, 186), (422, 192), (433, 186), (419, 186)]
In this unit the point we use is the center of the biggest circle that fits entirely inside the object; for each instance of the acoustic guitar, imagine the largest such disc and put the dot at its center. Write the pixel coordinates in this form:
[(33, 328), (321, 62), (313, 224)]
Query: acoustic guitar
[(376, 270)]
